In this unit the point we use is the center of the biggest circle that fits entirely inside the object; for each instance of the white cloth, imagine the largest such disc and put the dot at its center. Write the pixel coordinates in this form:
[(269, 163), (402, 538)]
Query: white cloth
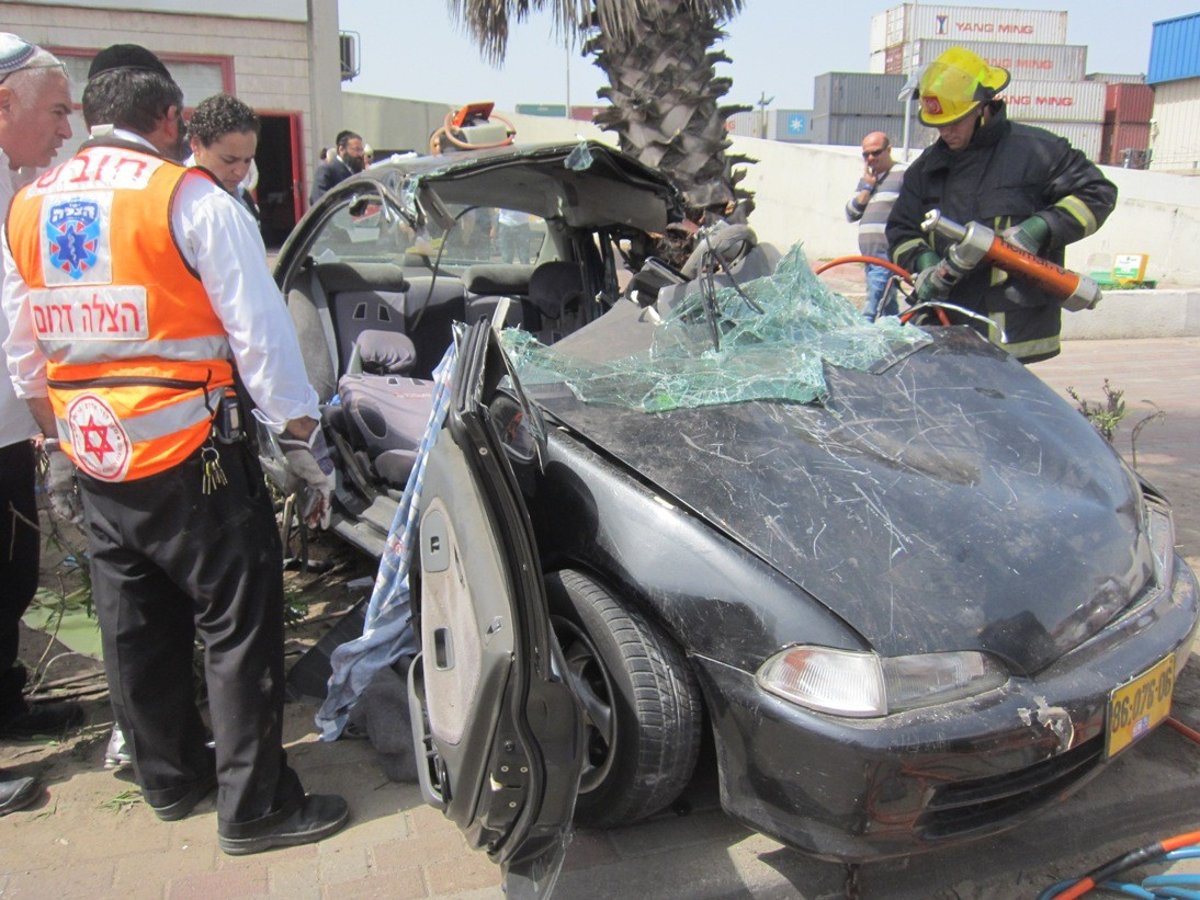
[(16, 422), (221, 243)]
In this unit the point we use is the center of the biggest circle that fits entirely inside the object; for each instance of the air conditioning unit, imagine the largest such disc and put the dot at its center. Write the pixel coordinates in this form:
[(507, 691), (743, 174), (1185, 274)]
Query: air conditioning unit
[(348, 44)]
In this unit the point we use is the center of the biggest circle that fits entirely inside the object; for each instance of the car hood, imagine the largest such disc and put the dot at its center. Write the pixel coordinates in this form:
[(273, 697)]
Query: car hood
[(950, 502)]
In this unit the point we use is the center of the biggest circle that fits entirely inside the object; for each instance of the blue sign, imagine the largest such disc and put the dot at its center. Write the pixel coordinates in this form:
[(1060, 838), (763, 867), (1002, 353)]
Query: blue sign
[(797, 123)]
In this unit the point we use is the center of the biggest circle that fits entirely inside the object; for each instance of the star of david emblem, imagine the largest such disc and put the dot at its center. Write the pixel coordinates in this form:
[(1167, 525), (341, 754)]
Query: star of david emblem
[(95, 439)]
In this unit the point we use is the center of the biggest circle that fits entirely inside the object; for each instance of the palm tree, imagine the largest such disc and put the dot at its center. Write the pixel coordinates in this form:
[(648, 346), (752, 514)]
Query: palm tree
[(663, 86)]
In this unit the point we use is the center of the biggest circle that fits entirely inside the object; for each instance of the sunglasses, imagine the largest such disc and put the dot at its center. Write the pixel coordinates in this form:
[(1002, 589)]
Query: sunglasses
[(871, 154)]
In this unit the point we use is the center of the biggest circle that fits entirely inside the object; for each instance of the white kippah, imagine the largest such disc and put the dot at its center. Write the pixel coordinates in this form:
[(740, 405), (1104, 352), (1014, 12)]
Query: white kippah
[(14, 52)]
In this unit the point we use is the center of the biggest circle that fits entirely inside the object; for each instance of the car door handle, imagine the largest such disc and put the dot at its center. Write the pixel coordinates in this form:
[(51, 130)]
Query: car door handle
[(443, 649)]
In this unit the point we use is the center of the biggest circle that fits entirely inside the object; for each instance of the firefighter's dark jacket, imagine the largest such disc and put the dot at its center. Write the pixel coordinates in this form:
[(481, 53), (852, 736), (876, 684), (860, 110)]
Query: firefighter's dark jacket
[(1007, 173)]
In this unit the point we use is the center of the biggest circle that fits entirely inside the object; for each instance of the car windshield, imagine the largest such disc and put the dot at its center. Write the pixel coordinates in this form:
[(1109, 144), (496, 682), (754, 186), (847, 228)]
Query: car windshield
[(371, 229), (626, 359)]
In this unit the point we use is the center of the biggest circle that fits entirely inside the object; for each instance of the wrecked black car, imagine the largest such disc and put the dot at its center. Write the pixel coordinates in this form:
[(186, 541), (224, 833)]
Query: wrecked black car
[(909, 591)]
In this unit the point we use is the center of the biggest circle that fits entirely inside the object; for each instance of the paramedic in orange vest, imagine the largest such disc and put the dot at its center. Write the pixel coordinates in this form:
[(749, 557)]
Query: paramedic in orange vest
[(137, 291)]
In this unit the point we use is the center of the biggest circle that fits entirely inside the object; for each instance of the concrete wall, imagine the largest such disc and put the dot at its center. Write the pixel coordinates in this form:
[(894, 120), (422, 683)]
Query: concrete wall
[(801, 191)]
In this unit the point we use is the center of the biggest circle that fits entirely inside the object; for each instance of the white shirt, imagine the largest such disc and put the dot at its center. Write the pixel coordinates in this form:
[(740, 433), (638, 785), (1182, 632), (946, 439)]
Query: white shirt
[(223, 245), (16, 422)]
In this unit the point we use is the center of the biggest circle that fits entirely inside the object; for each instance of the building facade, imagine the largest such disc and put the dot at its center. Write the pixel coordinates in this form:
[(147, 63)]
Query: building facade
[(281, 57)]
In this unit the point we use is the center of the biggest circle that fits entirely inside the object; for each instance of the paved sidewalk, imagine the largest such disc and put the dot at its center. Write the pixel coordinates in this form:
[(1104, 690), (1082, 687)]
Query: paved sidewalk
[(81, 842)]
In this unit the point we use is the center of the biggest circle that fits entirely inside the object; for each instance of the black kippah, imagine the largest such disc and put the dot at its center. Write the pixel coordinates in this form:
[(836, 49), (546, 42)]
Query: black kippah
[(126, 56)]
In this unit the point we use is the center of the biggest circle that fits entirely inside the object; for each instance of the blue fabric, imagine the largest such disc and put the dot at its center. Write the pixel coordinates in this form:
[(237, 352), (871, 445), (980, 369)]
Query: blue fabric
[(388, 632), (877, 282)]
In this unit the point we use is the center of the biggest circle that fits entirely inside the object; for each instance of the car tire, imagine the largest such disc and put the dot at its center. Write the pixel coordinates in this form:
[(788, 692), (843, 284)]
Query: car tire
[(643, 710)]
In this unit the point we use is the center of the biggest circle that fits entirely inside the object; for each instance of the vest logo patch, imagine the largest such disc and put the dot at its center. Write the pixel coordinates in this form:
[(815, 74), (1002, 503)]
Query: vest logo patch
[(101, 445), (73, 235), (75, 244)]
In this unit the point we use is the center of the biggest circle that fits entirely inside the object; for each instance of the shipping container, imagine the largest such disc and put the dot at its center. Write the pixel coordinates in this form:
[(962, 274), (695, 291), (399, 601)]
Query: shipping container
[(894, 62), (857, 93), (585, 113), (1175, 49), (746, 124), (877, 66), (1116, 77), (1122, 144), (1085, 136), (1128, 103), (793, 125), (1041, 62), (558, 110), (912, 22), (848, 131), (1056, 101)]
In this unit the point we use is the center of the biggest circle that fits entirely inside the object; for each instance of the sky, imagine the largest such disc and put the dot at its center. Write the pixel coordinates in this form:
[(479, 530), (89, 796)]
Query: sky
[(413, 49)]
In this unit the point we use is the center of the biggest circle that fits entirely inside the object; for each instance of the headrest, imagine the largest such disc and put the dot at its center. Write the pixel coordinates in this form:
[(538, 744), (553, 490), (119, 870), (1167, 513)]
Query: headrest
[(385, 352), (498, 279), (553, 285)]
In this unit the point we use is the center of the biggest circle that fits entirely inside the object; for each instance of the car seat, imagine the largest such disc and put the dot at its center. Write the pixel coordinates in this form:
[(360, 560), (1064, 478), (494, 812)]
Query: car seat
[(556, 299)]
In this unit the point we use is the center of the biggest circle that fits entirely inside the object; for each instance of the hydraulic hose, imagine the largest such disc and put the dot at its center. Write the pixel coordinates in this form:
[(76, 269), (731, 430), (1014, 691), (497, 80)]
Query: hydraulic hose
[(899, 271), (1180, 846), (447, 131)]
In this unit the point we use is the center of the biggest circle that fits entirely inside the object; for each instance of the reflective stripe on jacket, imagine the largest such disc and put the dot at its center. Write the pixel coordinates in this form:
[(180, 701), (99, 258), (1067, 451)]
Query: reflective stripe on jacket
[(136, 357)]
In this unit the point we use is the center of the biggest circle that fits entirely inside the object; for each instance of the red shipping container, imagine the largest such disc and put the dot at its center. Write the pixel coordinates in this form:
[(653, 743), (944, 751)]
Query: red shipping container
[(893, 60), (1119, 137), (1129, 103)]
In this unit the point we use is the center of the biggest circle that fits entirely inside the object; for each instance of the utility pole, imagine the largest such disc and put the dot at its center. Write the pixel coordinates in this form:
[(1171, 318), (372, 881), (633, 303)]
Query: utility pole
[(763, 102)]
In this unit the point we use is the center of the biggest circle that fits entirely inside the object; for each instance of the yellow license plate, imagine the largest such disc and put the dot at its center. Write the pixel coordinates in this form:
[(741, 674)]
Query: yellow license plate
[(1136, 707)]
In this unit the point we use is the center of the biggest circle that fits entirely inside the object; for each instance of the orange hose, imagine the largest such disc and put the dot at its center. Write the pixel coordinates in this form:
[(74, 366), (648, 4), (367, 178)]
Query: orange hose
[(872, 260), (448, 130)]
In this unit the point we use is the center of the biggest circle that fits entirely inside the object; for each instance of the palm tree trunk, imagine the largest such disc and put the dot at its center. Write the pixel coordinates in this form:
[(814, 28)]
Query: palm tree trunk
[(666, 101)]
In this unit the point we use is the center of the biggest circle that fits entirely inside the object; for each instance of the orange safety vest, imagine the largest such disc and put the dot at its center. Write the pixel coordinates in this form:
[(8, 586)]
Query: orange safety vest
[(136, 358)]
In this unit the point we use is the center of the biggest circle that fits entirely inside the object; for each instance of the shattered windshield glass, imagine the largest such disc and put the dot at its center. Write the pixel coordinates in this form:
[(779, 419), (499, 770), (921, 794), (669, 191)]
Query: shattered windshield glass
[(778, 354)]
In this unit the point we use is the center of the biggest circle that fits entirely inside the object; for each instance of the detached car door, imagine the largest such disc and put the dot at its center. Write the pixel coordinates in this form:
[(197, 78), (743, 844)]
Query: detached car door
[(501, 729)]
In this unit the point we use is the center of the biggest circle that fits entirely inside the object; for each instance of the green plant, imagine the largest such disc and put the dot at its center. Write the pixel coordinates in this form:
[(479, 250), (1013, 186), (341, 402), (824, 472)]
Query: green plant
[(123, 801), (1105, 416)]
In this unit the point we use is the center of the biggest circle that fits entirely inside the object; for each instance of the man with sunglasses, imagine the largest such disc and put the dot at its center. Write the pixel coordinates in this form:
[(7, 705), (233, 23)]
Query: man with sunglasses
[(870, 206), (35, 106)]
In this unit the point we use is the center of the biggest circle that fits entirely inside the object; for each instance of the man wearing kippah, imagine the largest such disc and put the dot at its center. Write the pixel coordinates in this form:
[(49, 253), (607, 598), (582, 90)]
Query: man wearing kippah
[(138, 296), (35, 103)]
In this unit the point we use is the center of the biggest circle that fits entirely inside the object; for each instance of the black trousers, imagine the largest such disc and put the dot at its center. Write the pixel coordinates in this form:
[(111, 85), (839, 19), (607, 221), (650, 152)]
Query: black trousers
[(170, 562), (20, 545)]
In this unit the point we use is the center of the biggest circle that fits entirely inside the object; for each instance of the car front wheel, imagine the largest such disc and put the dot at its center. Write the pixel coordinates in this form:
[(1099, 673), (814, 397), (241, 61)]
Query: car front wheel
[(642, 707)]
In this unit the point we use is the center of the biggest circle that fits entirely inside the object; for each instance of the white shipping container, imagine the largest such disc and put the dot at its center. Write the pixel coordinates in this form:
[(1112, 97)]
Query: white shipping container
[(1055, 101), (911, 22), (877, 65), (878, 32), (746, 124), (1085, 136), (1041, 62)]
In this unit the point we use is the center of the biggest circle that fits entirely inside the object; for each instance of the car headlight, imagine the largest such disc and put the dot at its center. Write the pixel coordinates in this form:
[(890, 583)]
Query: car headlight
[(1160, 530), (864, 685)]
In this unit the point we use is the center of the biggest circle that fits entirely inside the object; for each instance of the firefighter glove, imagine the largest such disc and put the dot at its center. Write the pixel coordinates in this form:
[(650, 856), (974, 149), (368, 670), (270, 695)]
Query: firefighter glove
[(1030, 235), (311, 471), (60, 484), (926, 287)]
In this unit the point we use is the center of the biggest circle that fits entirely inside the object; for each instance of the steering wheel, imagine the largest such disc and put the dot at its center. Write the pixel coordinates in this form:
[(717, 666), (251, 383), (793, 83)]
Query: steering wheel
[(899, 271)]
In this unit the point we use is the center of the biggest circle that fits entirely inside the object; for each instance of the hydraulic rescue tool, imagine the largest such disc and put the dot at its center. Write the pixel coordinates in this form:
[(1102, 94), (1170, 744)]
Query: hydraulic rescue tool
[(976, 244)]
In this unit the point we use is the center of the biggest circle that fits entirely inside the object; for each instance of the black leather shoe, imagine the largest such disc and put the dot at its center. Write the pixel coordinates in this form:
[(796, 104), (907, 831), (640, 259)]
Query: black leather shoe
[(17, 792), (173, 812), (41, 719), (318, 817)]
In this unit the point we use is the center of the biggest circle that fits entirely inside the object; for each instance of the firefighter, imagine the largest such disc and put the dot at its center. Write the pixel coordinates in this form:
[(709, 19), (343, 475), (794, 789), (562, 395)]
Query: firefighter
[(1022, 181)]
